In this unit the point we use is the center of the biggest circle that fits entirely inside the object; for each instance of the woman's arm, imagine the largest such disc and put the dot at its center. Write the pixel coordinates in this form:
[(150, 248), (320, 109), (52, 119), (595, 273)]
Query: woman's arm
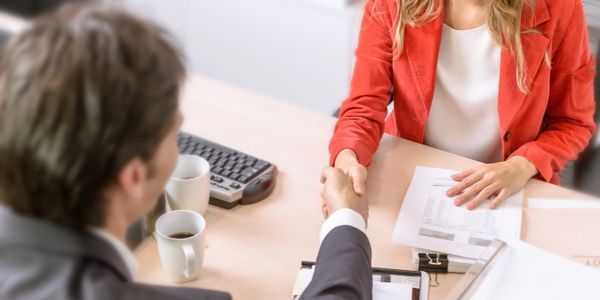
[(569, 123), (362, 114)]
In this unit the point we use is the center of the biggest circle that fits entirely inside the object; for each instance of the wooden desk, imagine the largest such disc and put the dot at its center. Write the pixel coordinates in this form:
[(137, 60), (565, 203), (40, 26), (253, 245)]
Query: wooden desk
[(254, 251)]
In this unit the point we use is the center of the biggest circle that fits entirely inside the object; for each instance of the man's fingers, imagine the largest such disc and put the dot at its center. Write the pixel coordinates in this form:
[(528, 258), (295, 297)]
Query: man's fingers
[(325, 210), (326, 173), (358, 179)]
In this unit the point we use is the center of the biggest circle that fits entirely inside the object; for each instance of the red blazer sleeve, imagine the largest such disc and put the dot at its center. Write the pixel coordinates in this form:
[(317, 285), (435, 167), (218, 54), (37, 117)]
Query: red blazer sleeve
[(362, 114), (568, 123)]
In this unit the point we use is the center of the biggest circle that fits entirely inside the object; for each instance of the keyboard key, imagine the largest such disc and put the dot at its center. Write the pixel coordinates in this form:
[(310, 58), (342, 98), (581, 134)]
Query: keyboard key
[(243, 179), (234, 176), (235, 186), (261, 164), (249, 170)]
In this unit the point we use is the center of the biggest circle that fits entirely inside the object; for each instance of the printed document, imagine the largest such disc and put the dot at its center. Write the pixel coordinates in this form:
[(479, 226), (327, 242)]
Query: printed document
[(429, 219)]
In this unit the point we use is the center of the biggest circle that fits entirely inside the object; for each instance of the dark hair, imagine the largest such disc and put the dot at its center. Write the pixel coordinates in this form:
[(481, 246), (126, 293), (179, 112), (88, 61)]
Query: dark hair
[(83, 91)]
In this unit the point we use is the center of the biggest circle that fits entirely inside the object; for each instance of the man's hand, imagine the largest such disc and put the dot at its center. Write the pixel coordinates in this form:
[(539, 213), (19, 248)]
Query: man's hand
[(347, 161), (499, 181), (338, 192)]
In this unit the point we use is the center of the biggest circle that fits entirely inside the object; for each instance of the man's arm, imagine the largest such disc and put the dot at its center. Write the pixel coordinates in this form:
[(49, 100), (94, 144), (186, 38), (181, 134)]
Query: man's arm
[(343, 266)]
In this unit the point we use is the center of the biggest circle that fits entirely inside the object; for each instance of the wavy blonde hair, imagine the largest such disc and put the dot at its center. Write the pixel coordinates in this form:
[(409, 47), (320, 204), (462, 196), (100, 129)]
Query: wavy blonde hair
[(504, 23)]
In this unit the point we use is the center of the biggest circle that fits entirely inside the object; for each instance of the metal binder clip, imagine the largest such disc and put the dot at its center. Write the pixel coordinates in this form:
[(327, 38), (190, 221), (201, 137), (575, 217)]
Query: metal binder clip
[(433, 262), (437, 259)]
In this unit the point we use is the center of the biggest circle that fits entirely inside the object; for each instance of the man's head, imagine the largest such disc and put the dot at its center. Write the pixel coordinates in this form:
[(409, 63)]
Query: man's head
[(88, 114)]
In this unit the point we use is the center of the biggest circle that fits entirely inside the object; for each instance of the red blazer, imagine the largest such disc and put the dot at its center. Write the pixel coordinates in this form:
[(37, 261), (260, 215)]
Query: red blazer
[(549, 126)]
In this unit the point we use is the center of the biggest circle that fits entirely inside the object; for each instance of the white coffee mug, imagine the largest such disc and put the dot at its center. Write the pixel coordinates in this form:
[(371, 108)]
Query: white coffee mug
[(180, 236), (189, 185)]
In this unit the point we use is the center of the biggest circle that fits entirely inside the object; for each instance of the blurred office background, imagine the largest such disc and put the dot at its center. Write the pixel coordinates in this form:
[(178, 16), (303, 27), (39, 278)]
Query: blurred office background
[(298, 51)]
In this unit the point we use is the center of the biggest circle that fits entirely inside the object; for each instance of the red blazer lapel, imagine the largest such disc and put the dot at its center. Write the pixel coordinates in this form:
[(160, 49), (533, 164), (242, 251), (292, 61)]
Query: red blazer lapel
[(535, 45), (421, 49)]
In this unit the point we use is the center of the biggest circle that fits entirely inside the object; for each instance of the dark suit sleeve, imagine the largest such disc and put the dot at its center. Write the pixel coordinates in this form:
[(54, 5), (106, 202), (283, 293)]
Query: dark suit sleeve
[(343, 268)]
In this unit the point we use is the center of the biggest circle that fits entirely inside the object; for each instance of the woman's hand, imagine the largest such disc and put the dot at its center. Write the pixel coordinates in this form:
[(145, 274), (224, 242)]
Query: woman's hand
[(347, 162), (499, 180)]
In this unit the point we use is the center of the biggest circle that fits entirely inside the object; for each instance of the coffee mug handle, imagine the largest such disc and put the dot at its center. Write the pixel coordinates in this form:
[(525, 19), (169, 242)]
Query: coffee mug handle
[(190, 261)]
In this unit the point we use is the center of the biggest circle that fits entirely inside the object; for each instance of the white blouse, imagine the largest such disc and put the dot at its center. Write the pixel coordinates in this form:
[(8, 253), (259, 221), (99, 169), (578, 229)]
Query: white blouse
[(463, 118)]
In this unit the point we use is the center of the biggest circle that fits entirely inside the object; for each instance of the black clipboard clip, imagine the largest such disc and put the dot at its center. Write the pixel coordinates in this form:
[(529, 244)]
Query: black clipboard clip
[(433, 263)]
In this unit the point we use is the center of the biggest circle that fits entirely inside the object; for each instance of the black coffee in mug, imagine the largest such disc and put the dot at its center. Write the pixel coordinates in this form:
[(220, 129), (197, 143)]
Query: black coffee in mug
[(181, 235)]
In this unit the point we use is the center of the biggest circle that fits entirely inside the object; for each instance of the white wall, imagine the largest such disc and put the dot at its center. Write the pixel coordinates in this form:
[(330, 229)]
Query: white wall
[(299, 51)]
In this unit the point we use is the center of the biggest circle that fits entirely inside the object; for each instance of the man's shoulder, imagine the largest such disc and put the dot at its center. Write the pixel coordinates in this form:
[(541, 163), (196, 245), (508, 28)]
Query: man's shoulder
[(41, 260), (33, 273)]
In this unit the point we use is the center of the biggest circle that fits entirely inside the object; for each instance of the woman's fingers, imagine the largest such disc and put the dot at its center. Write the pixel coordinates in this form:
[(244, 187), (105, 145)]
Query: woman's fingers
[(464, 184), (464, 174), (484, 194), (471, 191), (498, 199)]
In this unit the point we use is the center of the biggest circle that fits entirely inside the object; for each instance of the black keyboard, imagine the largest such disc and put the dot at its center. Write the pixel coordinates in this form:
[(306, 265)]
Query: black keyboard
[(236, 177)]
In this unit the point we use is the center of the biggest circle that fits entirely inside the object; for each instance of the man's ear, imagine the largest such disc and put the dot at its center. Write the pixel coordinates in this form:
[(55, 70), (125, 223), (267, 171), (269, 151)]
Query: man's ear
[(132, 178)]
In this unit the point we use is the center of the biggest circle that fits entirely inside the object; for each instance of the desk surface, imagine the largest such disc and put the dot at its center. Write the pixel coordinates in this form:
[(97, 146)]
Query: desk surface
[(254, 251)]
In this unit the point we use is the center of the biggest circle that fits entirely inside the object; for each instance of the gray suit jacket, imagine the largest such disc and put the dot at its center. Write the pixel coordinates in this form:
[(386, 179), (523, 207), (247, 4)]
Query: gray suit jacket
[(41, 260), (343, 267)]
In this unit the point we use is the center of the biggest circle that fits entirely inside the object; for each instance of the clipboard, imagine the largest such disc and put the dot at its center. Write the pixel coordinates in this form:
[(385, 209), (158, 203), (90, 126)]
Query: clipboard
[(515, 269), (470, 282), (418, 279)]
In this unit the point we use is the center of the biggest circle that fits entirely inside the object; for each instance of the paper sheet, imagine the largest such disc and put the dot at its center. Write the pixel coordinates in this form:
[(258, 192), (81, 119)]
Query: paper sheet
[(388, 291), (400, 287), (429, 219), (523, 271), (562, 203)]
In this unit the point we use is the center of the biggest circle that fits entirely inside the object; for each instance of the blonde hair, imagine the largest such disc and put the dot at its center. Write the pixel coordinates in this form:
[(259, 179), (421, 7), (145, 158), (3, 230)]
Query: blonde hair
[(504, 23)]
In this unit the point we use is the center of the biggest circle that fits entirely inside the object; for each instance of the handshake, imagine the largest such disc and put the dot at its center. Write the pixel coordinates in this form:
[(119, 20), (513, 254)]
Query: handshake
[(338, 193)]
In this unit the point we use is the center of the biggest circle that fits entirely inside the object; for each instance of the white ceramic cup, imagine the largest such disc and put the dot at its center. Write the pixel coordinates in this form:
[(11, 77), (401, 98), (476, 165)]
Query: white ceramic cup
[(181, 258), (189, 185)]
